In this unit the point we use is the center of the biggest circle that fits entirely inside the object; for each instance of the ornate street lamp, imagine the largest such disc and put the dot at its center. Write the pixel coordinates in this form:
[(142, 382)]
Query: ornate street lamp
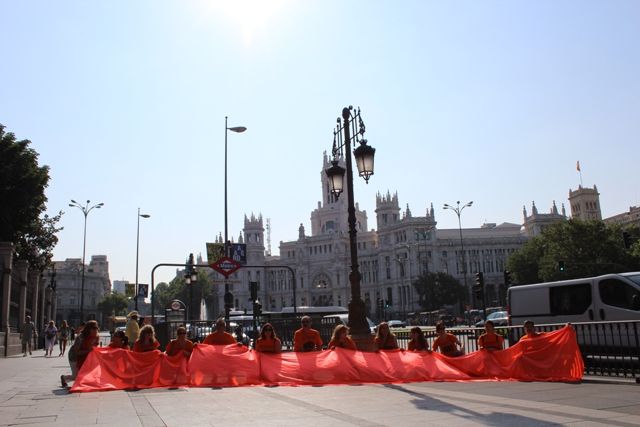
[(85, 210), (352, 124)]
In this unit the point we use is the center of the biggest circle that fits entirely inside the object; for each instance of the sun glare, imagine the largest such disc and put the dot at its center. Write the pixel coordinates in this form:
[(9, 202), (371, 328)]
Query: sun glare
[(251, 17)]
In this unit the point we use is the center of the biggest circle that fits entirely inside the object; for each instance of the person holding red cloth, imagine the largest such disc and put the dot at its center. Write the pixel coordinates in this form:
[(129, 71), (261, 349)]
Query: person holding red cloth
[(147, 340), (268, 342), (490, 340), (341, 338), (448, 344), (220, 336), (305, 338), (180, 345)]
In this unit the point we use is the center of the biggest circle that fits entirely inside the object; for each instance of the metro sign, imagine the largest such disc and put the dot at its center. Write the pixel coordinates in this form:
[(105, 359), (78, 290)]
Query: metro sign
[(226, 266)]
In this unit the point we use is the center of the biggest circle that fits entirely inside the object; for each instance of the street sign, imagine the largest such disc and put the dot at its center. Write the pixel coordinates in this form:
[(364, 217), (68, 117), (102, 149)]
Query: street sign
[(226, 266), (143, 290)]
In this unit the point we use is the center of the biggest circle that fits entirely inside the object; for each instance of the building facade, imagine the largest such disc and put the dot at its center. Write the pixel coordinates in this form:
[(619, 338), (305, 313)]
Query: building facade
[(391, 257), (68, 278)]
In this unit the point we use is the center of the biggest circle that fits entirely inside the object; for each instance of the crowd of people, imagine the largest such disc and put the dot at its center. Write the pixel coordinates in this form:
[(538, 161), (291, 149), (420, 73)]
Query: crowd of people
[(305, 339), (52, 335)]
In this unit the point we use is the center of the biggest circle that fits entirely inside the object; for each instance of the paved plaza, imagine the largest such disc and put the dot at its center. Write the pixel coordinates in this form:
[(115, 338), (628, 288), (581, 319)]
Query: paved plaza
[(30, 394)]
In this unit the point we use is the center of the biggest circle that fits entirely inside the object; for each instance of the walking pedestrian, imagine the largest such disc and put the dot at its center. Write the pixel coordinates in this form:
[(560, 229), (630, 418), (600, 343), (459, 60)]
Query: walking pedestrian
[(63, 336), (28, 335), (50, 334)]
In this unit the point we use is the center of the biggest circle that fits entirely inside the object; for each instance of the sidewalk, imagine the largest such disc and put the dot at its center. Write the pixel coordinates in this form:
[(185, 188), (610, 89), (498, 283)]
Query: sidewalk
[(30, 394)]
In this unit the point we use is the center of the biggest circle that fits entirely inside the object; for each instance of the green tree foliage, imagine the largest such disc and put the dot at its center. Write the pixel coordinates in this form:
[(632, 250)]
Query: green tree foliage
[(438, 289), (115, 304), (178, 289), (587, 248), (23, 202)]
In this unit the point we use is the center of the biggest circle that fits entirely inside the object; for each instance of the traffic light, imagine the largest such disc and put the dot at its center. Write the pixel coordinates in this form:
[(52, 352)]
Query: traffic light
[(253, 289), (257, 308), (507, 278), (561, 266), (386, 304), (478, 287)]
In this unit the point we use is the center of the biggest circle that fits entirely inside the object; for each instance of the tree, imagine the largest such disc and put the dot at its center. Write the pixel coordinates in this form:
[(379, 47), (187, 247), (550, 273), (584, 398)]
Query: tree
[(113, 304), (438, 289), (585, 248), (23, 202)]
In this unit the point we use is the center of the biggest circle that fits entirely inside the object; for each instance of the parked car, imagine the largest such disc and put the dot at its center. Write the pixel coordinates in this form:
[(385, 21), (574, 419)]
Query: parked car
[(499, 318), (396, 324)]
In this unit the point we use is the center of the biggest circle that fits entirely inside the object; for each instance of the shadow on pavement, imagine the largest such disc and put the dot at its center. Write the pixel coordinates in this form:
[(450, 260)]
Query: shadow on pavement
[(427, 402)]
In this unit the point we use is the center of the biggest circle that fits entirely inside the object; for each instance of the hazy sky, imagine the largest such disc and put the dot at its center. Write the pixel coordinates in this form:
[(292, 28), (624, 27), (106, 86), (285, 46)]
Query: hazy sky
[(490, 101)]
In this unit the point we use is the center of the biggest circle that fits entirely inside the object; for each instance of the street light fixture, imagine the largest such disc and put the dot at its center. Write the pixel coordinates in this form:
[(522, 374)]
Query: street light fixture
[(138, 253), (352, 124), (228, 297), (458, 210), (85, 210)]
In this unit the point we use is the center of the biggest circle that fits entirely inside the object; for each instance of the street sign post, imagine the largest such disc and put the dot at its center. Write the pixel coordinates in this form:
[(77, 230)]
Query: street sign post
[(226, 266)]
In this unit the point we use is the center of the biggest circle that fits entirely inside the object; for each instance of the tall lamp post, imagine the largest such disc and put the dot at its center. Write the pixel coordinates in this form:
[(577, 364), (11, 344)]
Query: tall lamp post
[(85, 210), (228, 297), (138, 253), (353, 128), (190, 277), (458, 210)]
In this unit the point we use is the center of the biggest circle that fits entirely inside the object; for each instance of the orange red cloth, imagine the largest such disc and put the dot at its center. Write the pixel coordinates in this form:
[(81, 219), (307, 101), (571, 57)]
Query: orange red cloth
[(554, 356)]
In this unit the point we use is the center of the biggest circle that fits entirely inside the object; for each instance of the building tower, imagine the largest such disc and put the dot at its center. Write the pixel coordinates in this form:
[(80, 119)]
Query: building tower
[(585, 203)]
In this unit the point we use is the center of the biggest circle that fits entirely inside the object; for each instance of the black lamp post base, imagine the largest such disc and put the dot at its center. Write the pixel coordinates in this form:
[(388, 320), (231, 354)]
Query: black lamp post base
[(359, 327)]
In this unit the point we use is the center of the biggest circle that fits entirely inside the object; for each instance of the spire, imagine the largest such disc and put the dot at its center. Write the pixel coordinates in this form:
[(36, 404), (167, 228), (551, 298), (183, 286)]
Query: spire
[(408, 215), (534, 210), (564, 212), (554, 209), (432, 215), (524, 212)]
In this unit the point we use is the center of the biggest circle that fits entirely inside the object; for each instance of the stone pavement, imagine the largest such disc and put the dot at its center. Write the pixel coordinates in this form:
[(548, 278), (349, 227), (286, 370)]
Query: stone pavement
[(30, 394)]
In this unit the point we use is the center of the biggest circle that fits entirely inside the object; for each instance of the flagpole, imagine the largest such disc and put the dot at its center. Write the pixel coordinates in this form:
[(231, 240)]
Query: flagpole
[(579, 171)]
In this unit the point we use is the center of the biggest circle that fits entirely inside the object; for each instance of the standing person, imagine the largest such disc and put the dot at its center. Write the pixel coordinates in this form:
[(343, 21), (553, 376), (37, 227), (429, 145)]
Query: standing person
[(268, 342), (306, 338), (132, 330), (490, 340), (180, 345), (417, 342), (50, 334), (28, 334), (448, 344), (385, 340), (341, 338), (63, 336), (86, 340), (146, 340), (220, 336)]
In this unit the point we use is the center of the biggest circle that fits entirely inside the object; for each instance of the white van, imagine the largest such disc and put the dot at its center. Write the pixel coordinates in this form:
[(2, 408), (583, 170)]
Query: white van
[(607, 298), (612, 297)]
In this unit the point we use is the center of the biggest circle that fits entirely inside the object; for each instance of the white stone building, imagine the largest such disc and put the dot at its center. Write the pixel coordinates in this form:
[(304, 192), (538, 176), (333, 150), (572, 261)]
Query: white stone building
[(390, 258)]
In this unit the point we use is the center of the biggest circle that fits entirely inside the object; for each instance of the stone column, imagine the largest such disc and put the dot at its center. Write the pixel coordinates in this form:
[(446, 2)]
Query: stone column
[(34, 283), (23, 270), (6, 259), (42, 303), (48, 295)]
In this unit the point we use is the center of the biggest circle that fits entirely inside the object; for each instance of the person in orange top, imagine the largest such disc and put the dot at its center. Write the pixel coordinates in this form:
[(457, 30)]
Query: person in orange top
[(490, 340), (146, 340), (447, 343), (119, 340), (180, 344), (384, 339), (220, 336), (341, 338), (268, 342), (417, 342), (530, 331), (305, 338)]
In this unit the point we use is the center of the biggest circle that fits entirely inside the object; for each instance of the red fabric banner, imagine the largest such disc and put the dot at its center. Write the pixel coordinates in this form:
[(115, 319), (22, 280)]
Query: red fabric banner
[(554, 356)]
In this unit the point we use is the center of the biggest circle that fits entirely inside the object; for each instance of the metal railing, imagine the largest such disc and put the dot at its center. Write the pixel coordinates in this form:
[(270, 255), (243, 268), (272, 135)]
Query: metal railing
[(610, 349)]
